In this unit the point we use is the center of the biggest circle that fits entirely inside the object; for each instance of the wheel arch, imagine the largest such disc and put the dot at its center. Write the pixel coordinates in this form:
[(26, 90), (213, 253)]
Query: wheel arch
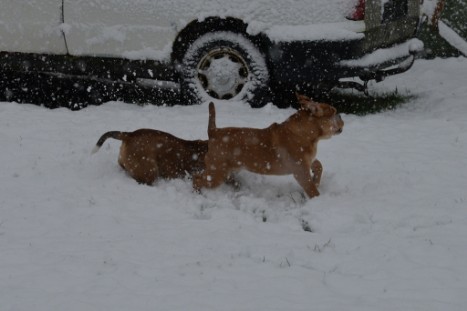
[(198, 28)]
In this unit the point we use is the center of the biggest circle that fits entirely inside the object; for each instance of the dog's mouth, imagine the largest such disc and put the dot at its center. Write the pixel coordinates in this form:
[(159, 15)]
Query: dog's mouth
[(339, 123)]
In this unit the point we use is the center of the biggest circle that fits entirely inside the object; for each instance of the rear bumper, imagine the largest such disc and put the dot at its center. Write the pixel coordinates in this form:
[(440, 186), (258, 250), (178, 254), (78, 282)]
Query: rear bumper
[(306, 63), (383, 62)]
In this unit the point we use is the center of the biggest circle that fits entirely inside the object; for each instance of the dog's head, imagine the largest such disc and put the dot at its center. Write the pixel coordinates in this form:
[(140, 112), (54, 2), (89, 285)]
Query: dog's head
[(324, 115)]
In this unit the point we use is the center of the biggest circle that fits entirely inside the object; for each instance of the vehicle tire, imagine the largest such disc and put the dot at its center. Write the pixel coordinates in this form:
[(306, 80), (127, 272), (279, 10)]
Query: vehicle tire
[(224, 65)]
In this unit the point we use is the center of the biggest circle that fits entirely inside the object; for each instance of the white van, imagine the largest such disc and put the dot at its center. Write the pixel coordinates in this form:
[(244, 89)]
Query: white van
[(221, 49)]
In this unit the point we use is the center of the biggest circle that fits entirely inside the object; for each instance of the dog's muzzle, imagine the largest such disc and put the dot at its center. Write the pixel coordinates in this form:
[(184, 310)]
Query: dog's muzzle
[(339, 124)]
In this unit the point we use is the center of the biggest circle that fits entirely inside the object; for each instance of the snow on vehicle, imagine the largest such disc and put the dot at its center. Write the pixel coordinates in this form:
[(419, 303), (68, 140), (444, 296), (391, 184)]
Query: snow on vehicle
[(206, 49)]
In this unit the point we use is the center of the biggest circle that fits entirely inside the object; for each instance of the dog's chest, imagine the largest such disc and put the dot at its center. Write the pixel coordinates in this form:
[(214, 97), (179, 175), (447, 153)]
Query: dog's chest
[(310, 151), (303, 153), (298, 143)]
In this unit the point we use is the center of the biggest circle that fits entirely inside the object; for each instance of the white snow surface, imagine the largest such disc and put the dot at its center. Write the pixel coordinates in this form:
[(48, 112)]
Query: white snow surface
[(349, 30), (453, 38), (388, 230)]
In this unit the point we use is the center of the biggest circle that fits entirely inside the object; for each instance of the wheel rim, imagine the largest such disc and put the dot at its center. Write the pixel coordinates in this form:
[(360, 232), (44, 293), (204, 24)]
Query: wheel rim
[(223, 73)]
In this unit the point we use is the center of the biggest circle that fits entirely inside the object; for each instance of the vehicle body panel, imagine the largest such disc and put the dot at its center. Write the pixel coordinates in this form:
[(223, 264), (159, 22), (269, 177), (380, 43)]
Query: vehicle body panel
[(31, 26), (146, 29)]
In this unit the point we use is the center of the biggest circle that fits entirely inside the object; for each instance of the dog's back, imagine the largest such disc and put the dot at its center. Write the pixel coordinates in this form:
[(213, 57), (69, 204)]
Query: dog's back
[(174, 157), (148, 154)]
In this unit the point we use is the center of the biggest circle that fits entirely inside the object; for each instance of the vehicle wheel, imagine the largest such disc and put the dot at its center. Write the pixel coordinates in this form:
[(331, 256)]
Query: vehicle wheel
[(225, 66)]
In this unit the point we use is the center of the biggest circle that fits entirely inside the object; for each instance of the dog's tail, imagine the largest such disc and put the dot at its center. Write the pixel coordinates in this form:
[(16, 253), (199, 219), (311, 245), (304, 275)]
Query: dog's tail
[(212, 118), (112, 134)]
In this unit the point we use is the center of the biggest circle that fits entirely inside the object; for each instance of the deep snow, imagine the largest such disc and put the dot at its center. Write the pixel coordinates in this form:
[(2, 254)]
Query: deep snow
[(388, 231)]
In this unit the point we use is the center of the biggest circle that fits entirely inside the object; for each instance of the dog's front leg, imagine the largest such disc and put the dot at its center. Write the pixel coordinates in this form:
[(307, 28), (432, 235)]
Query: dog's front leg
[(317, 170), (303, 177)]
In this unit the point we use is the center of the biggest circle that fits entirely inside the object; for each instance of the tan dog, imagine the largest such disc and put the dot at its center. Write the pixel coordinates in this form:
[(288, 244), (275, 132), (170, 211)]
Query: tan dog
[(280, 149), (148, 155)]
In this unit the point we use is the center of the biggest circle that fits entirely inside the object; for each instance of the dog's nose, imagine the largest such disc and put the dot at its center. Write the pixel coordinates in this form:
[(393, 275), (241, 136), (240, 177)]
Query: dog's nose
[(339, 130)]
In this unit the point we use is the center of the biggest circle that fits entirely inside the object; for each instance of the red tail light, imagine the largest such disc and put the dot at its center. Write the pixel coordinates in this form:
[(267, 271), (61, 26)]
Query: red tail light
[(358, 13)]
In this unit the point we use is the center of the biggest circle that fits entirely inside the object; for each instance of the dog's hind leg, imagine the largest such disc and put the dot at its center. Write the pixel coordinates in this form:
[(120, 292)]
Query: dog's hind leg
[(210, 179), (144, 175)]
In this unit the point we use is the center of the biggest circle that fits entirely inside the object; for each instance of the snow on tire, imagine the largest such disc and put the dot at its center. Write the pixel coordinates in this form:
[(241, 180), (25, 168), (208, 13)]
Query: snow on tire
[(226, 66)]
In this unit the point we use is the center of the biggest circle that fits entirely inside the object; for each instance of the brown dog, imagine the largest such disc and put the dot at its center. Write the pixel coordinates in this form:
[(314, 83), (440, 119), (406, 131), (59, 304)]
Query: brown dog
[(280, 149), (148, 155)]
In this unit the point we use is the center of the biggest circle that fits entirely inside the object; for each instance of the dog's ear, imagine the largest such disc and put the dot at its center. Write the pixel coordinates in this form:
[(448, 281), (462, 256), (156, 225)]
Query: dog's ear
[(321, 110), (303, 100), (316, 109), (308, 104)]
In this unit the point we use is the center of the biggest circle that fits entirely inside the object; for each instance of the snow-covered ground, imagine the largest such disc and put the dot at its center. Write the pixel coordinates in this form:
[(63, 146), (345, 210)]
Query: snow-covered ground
[(389, 231)]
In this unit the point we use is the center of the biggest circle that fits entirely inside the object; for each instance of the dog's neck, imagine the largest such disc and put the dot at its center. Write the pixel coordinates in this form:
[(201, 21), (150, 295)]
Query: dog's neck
[(299, 126)]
